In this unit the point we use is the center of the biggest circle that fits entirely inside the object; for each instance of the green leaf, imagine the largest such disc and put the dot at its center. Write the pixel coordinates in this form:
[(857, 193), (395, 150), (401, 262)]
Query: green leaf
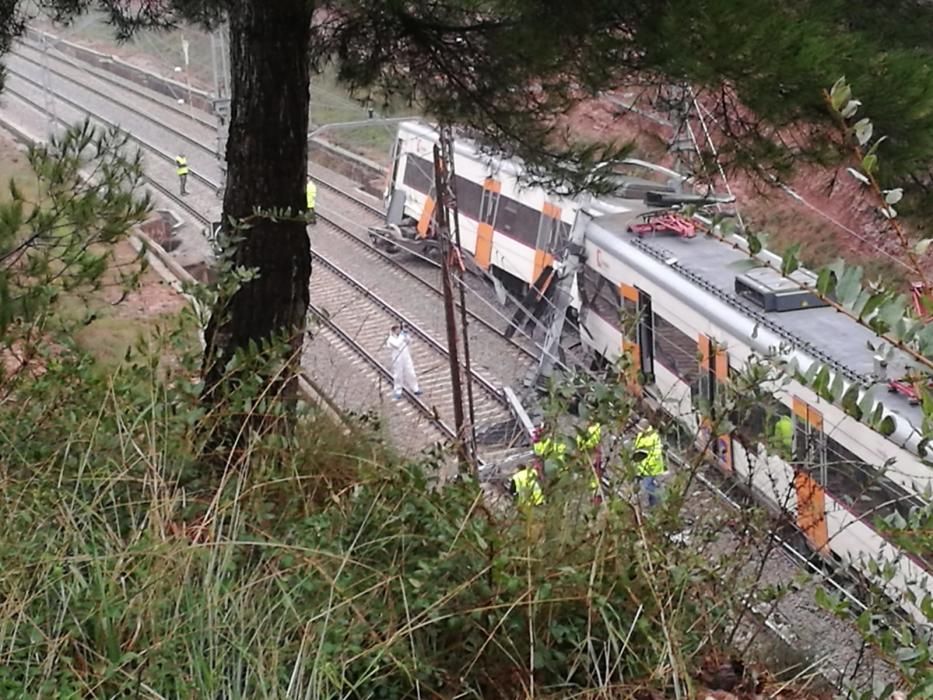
[(850, 402), (849, 286), (789, 263), (925, 340), (872, 304), (874, 146), (837, 387), (870, 163), (754, 243), (840, 94), (826, 282), (889, 313)]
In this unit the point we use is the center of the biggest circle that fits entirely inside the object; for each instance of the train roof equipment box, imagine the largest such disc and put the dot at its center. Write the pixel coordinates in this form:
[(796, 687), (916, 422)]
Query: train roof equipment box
[(771, 291)]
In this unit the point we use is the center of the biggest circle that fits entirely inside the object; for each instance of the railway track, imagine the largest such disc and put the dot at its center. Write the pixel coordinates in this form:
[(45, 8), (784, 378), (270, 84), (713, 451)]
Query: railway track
[(342, 331), (352, 225), (350, 306), (491, 411)]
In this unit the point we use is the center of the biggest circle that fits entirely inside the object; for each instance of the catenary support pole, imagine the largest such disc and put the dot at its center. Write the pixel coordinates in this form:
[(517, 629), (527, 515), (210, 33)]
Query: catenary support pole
[(442, 231), (450, 203)]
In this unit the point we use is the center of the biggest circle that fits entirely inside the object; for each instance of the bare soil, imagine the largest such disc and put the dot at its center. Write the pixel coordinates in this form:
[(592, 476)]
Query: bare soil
[(840, 220), (119, 318)]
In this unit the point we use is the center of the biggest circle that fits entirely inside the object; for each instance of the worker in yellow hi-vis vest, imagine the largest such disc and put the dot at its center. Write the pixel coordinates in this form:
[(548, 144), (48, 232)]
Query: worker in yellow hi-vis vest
[(181, 169), (526, 487), (588, 448), (782, 438), (311, 192), (550, 452), (649, 460)]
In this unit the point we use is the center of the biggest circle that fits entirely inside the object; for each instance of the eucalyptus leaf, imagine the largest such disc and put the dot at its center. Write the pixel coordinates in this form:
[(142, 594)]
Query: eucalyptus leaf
[(840, 94), (789, 262), (893, 196), (849, 286), (863, 129), (851, 108)]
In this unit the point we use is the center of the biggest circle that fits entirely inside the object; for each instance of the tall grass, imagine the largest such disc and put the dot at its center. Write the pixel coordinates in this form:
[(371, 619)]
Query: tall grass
[(314, 565)]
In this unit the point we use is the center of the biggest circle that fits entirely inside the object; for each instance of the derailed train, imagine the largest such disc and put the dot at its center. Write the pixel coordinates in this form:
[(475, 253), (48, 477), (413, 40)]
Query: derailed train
[(696, 319)]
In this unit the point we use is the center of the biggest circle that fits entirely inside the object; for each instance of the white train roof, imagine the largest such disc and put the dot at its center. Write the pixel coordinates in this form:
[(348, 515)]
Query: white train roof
[(630, 191), (701, 272)]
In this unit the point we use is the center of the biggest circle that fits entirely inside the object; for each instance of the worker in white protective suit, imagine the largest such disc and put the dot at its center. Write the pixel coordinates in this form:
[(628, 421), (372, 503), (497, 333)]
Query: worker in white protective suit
[(403, 369)]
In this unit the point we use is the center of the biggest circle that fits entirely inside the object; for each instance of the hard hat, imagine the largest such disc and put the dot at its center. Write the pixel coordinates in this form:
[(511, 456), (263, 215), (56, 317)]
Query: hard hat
[(643, 424)]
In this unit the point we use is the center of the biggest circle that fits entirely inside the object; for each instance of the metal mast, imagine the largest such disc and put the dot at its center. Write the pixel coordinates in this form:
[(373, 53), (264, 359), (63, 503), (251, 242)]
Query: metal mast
[(221, 101), (445, 200), (447, 152)]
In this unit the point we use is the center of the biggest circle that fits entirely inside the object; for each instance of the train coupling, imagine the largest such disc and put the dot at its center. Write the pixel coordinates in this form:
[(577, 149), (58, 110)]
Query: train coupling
[(386, 237), (392, 238)]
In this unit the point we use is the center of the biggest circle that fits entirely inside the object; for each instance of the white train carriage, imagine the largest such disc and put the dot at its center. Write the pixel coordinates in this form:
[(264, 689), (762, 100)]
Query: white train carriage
[(690, 331), (670, 303), (512, 230)]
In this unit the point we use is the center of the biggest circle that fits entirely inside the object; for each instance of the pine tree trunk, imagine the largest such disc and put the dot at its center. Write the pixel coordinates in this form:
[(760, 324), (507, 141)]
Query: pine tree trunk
[(267, 155)]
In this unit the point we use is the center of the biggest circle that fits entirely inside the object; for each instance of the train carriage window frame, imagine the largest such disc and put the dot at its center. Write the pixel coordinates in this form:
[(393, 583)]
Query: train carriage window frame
[(489, 206), (602, 297), (469, 197), (552, 232), (675, 350), (517, 221), (845, 474), (810, 441), (419, 174), (645, 335)]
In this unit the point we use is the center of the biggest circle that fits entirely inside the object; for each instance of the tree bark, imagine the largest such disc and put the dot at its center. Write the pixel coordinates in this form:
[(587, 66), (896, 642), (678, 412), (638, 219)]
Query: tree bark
[(267, 157)]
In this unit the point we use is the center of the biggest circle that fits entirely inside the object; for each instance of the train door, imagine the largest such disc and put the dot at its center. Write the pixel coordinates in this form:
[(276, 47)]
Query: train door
[(489, 205), (645, 336), (810, 460), (628, 326), (392, 182), (551, 230), (714, 374), (395, 197)]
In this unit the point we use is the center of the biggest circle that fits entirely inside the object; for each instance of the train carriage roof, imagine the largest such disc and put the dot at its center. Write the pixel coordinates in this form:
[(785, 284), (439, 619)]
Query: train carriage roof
[(711, 265), (629, 187)]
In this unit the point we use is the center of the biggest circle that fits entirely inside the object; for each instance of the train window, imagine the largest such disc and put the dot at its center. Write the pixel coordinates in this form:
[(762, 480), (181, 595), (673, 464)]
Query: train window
[(552, 233), (505, 219), (601, 295), (756, 422), (810, 447), (419, 174), (676, 350), (469, 197), (646, 336), (396, 156), (489, 204), (863, 487), (518, 221), (527, 222)]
